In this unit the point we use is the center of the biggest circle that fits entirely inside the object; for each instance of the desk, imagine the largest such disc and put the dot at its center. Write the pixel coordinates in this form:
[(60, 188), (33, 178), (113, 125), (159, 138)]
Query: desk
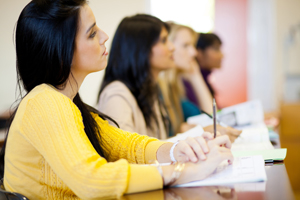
[(276, 187)]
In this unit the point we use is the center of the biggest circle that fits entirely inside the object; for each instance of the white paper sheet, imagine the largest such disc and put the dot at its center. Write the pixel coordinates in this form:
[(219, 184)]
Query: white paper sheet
[(253, 139), (243, 170), (239, 116), (202, 120), (194, 132)]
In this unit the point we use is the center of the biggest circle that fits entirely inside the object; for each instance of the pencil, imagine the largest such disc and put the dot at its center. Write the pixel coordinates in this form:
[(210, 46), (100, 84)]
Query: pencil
[(214, 117)]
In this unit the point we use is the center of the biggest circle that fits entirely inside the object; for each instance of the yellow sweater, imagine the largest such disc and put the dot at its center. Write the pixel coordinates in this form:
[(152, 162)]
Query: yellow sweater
[(49, 156)]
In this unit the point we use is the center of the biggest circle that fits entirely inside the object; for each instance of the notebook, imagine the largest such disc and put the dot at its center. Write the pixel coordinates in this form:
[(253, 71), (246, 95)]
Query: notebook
[(243, 170)]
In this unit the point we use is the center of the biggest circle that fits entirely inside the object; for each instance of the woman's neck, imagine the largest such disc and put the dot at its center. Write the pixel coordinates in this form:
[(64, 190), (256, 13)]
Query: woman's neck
[(155, 73), (71, 88)]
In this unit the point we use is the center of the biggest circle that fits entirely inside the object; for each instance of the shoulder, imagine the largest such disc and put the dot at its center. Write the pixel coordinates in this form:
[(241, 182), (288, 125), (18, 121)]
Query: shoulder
[(45, 100), (116, 89)]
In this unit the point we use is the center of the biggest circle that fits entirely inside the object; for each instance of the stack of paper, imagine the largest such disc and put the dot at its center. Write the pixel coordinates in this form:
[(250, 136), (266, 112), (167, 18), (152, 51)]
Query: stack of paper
[(243, 170), (237, 116), (256, 141), (270, 155), (253, 139)]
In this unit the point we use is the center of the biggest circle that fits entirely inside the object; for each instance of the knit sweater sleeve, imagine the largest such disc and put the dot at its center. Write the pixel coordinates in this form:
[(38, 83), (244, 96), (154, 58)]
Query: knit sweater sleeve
[(117, 144), (53, 125)]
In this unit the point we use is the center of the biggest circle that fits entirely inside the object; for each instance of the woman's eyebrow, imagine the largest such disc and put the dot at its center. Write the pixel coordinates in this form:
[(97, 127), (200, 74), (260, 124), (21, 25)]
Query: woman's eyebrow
[(91, 27)]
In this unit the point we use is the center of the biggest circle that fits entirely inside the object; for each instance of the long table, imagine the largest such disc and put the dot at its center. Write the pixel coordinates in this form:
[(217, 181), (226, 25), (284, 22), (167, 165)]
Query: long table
[(276, 187)]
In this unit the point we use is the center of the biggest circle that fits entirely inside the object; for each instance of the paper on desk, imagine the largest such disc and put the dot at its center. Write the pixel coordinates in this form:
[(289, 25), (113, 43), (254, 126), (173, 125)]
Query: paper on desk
[(270, 154), (201, 119), (239, 115), (243, 169), (193, 132), (253, 139), (249, 112)]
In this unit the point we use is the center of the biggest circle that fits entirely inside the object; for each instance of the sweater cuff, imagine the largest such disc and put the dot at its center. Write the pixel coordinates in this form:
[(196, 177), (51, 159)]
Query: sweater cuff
[(143, 178), (151, 150)]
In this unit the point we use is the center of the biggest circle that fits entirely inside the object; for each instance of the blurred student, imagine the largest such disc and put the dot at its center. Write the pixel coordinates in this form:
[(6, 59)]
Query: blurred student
[(209, 57), (172, 83), (186, 70), (129, 93), (58, 147)]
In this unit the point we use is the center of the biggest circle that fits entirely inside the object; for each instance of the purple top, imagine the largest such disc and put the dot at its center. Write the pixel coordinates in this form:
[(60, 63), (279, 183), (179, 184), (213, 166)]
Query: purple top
[(189, 91)]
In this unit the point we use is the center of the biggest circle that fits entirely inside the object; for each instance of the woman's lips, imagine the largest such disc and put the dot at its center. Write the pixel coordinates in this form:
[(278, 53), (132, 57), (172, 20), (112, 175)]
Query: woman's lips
[(105, 53)]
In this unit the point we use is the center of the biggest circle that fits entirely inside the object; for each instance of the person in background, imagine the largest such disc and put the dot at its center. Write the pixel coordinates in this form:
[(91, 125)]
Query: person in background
[(58, 147), (186, 73), (209, 57), (129, 92)]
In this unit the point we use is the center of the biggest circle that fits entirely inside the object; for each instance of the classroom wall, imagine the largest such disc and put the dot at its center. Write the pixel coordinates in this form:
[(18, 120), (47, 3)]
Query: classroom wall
[(273, 52), (230, 82), (255, 30), (108, 15), (9, 12), (261, 70), (287, 59)]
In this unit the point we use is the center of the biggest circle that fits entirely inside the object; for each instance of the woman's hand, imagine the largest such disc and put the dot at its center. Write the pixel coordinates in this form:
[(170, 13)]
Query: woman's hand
[(185, 127), (193, 70), (219, 150), (231, 132), (193, 149)]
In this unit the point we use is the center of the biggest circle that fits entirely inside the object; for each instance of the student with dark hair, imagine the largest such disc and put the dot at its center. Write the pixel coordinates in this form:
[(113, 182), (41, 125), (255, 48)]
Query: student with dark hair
[(209, 57), (58, 147), (129, 92)]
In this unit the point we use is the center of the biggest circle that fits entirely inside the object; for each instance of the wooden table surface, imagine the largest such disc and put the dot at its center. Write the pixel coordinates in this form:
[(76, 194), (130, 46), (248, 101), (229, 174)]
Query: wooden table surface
[(276, 187)]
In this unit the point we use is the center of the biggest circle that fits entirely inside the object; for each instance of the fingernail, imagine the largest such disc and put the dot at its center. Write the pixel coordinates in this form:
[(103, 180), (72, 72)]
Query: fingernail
[(194, 159)]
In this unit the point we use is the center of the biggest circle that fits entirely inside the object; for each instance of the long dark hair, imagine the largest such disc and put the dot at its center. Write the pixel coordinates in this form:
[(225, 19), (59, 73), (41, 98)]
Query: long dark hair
[(129, 60), (206, 40), (45, 40)]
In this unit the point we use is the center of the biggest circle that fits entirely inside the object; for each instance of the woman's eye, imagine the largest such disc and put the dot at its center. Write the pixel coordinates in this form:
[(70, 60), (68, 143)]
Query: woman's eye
[(93, 34), (164, 40)]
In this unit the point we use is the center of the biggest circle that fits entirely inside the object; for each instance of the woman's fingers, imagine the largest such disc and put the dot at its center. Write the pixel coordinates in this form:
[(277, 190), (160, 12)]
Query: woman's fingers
[(222, 140), (199, 146), (194, 148), (227, 155), (208, 135), (186, 149)]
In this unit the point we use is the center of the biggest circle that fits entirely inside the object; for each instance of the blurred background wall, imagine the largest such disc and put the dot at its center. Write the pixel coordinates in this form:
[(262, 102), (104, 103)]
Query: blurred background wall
[(260, 44)]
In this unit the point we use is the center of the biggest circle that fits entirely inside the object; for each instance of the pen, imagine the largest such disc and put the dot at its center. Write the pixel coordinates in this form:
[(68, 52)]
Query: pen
[(214, 117)]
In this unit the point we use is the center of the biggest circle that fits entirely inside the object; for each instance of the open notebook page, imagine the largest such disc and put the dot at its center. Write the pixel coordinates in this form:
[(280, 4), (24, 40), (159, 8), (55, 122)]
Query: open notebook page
[(243, 170)]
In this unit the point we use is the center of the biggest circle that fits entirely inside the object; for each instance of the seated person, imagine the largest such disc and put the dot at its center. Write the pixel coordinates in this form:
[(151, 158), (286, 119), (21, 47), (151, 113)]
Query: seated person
[(58, 147)]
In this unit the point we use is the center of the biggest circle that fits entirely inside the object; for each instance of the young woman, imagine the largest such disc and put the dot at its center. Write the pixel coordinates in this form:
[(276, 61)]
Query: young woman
[(174, 82), (58, 147), (209, 56), (129, 92), (186, 70)]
